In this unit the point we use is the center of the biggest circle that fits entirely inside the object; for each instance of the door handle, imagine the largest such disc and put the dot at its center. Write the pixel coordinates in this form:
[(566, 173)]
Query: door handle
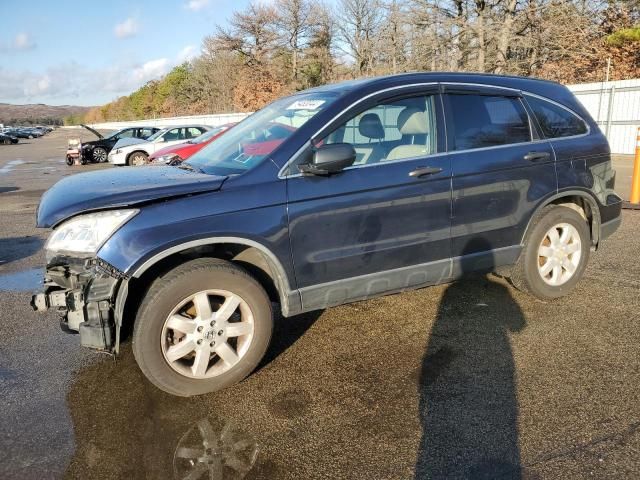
[(421, 171), (536, 156)]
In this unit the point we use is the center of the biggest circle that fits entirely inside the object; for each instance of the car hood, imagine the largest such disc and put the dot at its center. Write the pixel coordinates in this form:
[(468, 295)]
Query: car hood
[(119, 187), (95, 132), (125, 142)]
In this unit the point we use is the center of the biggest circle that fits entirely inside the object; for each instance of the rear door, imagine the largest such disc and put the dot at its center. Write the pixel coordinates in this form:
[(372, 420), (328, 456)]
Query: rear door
[(379, 225), (501, 169)]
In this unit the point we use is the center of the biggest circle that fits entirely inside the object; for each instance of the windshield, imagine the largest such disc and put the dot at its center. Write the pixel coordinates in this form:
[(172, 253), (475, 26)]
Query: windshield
[(248, 143), (207, 135)]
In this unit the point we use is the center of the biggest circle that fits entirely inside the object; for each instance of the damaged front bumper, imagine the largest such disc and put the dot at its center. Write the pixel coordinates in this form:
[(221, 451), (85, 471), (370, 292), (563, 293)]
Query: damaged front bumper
[(84, 292)]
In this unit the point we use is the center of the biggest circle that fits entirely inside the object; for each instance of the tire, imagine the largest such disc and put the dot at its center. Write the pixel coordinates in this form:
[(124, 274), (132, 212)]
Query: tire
[(169, 296), (529, 272), (69, 161), (99, 155), (137, 159)]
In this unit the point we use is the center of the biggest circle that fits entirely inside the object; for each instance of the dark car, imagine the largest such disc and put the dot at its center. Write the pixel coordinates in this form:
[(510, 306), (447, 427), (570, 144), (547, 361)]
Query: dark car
[(8, 139), (379, 186), (24, 133), (98, 150)]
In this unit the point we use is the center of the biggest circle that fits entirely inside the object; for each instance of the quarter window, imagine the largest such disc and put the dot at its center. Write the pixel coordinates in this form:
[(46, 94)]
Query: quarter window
[(555, 121), (390, 131), (480, 121)]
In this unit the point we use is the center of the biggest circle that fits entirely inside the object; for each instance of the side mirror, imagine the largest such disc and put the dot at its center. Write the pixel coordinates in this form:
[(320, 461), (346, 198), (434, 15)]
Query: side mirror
[(328, 159)]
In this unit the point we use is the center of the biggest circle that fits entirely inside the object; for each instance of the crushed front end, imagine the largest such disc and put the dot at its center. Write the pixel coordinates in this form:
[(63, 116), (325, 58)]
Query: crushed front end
[(83, 291)]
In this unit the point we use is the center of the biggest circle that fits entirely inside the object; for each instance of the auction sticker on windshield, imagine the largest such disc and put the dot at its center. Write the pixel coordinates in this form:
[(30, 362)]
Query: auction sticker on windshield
[(306, 105)]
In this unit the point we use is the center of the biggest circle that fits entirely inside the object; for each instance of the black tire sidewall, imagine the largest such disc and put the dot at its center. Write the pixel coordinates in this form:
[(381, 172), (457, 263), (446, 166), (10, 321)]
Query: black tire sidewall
[(165, 295), (553, 217)]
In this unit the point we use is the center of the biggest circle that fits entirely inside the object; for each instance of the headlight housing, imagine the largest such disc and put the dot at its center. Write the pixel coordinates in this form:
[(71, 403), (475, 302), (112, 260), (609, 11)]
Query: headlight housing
[(170, 157), (85, 234)]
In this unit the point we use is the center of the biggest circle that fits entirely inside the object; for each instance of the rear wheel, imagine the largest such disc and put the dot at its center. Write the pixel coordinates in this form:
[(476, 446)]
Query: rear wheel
[(555, 254), (202, 327), (138, 158)]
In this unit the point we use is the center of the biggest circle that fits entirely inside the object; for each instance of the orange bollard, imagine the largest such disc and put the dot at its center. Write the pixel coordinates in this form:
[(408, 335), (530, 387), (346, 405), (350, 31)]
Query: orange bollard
[(635, 179)]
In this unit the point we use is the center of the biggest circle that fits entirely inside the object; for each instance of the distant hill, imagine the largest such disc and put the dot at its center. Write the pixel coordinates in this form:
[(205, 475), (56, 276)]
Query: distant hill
[(38, 113)]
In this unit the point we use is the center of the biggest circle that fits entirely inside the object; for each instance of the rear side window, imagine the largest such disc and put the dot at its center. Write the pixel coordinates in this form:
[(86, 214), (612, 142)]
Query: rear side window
[(480, 121), (555, 121)]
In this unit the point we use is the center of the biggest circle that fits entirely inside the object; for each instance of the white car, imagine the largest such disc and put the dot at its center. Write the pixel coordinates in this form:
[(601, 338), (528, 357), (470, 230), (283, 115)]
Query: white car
[(135, 151)]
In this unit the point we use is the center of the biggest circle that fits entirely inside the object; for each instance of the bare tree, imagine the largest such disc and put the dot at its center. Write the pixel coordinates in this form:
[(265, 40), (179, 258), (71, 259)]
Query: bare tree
[(251, 33), (359, 23), (293, 28)]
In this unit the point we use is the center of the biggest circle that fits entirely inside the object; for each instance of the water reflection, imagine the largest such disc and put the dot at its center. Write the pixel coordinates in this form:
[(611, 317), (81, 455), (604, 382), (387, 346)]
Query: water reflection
[(24, 281), (214, 449)]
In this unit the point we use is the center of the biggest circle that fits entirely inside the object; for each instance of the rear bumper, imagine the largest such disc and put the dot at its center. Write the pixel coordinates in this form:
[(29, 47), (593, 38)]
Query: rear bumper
[(608, 228), (610, 216), (85, 298)]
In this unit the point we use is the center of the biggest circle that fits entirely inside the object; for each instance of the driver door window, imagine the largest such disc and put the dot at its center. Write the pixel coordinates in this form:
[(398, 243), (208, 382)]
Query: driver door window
[(172, 135), (393, 131)]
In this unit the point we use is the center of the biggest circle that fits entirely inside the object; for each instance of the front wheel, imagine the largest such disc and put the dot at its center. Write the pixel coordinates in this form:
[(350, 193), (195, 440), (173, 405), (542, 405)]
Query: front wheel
[(99, 155), (202, 327), (138, 158), (555, 253)]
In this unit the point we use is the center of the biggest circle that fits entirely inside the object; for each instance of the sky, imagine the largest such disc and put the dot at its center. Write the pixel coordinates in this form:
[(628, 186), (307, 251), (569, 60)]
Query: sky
[(71, 52)]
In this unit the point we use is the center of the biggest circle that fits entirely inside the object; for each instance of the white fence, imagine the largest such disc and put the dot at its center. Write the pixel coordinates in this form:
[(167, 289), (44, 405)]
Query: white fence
[(615, 106), (212, 120)]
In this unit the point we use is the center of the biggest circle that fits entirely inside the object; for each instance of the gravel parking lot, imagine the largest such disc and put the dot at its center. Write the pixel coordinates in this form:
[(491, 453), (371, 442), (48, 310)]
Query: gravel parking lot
[(456, 380)]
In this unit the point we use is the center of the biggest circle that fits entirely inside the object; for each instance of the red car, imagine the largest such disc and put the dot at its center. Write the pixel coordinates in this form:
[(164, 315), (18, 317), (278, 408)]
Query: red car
[(182, 151)]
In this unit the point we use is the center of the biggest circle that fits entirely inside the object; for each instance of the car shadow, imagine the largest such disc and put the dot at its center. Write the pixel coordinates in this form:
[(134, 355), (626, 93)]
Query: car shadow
[(17, 248), (467, 387), (286, 332)]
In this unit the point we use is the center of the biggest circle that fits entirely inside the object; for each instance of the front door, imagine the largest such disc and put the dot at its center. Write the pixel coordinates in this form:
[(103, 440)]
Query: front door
[(382, 224)]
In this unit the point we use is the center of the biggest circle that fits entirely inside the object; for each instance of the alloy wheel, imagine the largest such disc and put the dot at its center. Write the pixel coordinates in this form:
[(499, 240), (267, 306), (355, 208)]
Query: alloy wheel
[(207, 333), (99, 155), (559, 254)]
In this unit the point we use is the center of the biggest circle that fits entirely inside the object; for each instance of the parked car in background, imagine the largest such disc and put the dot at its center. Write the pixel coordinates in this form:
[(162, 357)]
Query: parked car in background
[(376, 186), (174, 154), (24, 133), (7, 139), (136, 152), (98, 150)]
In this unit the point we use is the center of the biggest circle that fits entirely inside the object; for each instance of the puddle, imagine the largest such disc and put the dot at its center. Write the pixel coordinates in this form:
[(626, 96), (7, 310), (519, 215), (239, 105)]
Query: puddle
[(9, 166), (214, 449), (24, 281)]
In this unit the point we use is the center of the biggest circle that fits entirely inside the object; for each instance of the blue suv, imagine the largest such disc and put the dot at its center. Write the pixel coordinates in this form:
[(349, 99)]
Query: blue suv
[(367, 188)]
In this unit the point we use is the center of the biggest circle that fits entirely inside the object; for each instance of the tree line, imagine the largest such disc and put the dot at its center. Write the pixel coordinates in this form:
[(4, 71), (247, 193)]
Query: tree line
[(271, 49)]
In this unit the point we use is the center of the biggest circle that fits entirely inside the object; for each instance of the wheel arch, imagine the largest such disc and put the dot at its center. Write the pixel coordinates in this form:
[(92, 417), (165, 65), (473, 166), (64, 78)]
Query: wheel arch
[(581, 201), (260, 261)]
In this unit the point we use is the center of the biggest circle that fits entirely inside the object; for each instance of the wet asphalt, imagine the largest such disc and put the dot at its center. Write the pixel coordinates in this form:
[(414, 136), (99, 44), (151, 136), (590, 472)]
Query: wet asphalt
[(468, 380)]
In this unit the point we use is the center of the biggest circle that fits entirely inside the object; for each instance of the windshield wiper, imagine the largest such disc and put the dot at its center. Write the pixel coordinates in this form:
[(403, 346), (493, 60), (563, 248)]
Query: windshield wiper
[(186, 166)]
